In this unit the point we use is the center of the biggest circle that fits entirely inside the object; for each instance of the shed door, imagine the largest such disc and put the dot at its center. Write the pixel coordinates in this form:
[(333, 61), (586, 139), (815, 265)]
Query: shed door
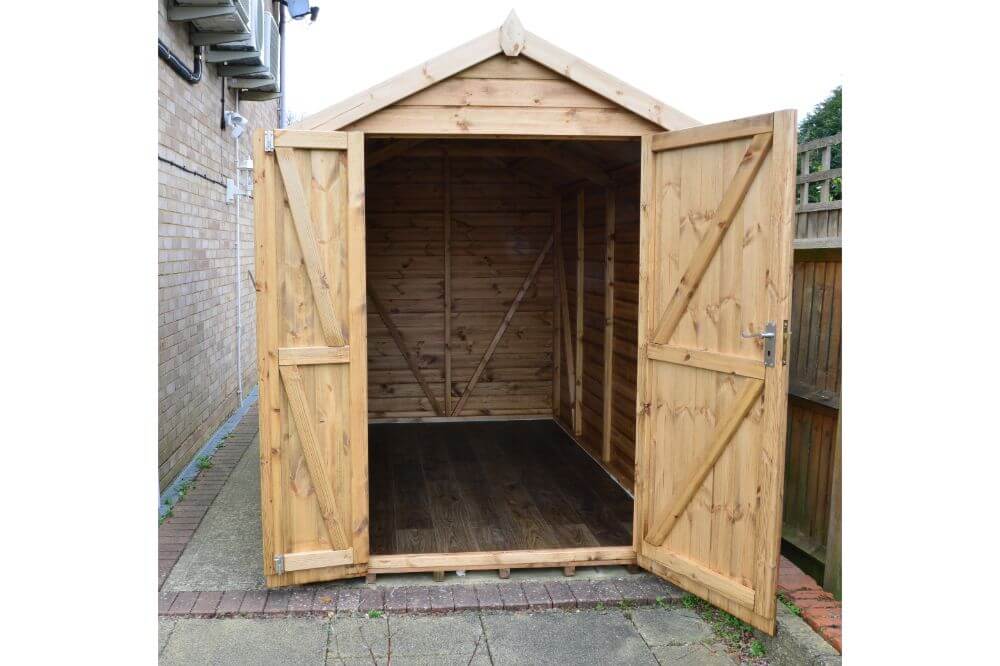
[(311, 341), (715, 273)]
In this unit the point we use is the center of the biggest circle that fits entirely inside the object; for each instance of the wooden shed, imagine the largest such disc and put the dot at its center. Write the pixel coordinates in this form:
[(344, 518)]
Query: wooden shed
[(513, 312)]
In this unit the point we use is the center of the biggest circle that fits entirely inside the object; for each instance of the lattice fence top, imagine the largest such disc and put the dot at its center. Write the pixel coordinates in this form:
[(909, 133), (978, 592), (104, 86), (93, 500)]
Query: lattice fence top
[(819, 181)]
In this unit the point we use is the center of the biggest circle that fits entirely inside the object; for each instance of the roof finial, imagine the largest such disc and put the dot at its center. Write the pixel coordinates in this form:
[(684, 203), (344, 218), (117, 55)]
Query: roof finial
[(512, 35)]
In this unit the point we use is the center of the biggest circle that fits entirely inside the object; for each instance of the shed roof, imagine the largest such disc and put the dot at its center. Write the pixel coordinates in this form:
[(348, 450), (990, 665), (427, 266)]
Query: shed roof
[(512, 40)]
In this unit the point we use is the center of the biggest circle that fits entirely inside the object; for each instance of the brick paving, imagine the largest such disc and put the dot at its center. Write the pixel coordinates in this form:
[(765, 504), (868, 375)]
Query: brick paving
[(820, 609), (176, 532), (321, 600)]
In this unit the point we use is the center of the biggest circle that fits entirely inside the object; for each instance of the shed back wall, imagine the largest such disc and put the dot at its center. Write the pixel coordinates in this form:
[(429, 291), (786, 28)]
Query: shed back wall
[(498, 227)]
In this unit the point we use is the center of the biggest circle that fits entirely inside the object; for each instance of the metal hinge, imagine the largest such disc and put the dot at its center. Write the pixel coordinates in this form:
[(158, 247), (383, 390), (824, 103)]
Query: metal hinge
[(268, 141), (768, 336), (279, 564)]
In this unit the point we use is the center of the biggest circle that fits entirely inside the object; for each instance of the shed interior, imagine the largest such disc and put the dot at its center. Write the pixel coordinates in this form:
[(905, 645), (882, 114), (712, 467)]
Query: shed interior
[(479, 400)]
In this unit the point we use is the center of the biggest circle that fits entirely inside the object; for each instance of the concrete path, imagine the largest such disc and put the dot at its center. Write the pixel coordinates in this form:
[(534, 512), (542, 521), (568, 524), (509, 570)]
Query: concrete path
[(225, 551), (647, 636)]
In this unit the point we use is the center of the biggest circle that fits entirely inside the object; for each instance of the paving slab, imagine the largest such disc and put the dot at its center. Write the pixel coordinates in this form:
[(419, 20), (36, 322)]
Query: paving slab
[(245, 641), (458, 635), (671, 626), (557, 637), (165, 627), (358, 638), (693, 655), (225, 551)]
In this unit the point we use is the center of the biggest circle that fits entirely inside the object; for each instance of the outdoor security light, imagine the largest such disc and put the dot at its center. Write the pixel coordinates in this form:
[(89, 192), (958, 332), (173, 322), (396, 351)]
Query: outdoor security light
[(237, 122), (299, 9)]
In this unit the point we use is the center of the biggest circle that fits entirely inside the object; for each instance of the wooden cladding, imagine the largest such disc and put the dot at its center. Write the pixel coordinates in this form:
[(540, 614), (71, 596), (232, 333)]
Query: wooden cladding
[(606, 265), (506, 96), (451, 241)]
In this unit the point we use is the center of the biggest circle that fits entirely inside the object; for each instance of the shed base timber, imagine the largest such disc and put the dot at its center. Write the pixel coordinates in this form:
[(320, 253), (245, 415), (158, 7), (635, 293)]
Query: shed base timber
[(504, 559)]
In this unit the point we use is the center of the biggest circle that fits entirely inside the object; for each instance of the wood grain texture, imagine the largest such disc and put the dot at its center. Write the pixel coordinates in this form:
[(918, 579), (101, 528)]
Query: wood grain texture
[(494, 486), (302, 217), (504, 324), (313, 436), (620, 391), (719, 223), (497, 227), (714, 263)]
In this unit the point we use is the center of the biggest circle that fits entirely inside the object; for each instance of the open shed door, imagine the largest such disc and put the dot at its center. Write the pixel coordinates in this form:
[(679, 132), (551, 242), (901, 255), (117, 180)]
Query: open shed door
[(715, 276), (312, 354)]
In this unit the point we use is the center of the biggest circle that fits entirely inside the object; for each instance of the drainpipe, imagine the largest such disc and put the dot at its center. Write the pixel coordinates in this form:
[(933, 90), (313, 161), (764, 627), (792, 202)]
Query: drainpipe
[(176, 64), (239, 267), (282, 114)]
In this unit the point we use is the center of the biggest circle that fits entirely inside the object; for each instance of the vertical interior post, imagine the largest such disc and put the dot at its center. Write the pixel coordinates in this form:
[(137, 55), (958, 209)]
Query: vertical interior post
[(446, 179), (556, 304), (609, 321), (578, 402)]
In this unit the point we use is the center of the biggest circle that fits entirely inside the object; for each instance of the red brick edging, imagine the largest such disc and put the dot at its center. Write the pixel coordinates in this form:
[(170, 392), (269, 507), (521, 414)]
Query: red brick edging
[(819, 608), (323, 599), (175, 532)]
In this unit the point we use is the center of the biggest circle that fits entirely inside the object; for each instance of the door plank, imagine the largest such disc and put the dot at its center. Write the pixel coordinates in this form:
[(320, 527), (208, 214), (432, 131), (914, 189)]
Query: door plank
[(313, 355), (752, 389), (702, 256), (299, 205), (729, 587), (707, 360), (316, 559), (296, 392)]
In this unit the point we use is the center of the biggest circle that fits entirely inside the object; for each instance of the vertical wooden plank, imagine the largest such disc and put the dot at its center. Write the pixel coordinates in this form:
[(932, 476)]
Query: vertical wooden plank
[(767, 520), (824, 187), (567, 344), (358, 339), (446, 178), (556, 309), (609, 322), (265, 205), (578, 402), (646, 298), (832, 567), (804, 187)]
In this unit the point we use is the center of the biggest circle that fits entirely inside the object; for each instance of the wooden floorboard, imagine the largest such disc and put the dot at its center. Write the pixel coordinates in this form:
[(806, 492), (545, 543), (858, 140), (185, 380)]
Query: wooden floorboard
[(458, 487)]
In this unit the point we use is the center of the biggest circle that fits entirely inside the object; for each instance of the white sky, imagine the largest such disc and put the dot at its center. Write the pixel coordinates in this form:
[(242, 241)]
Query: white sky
[(712, 60)]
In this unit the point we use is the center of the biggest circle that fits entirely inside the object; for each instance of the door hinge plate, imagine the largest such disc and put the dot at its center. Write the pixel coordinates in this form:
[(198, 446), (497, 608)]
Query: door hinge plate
[(268, 141), (279, 564)]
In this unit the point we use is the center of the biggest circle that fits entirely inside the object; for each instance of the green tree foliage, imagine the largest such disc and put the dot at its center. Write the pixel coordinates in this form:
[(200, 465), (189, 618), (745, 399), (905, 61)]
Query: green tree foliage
[(825, 120)]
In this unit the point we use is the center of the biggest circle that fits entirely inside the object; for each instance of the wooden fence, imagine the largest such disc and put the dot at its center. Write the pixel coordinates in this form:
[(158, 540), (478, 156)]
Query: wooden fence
[(812, 502)]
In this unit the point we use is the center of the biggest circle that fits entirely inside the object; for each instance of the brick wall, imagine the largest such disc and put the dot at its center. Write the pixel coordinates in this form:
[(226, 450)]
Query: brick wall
[(197, 260)]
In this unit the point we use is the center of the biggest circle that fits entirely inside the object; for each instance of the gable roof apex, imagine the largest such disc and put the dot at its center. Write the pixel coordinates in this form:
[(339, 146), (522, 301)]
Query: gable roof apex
[(512, 40)]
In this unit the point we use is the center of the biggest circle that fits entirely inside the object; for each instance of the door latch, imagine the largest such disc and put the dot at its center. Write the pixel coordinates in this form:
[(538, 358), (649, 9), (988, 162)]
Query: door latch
[(769, 336)]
